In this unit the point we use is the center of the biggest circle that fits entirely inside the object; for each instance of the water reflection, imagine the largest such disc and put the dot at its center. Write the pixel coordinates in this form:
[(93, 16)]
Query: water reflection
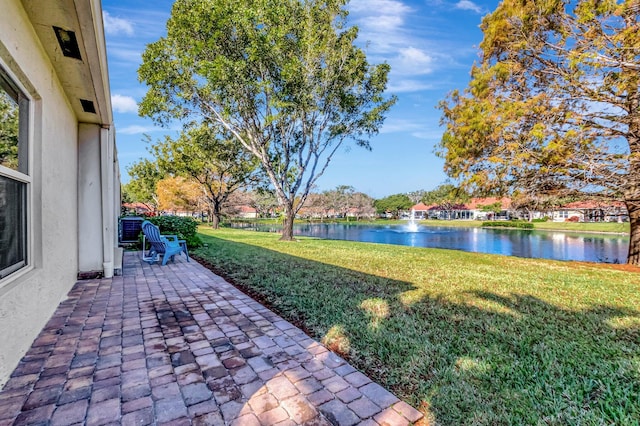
[(510, 242)]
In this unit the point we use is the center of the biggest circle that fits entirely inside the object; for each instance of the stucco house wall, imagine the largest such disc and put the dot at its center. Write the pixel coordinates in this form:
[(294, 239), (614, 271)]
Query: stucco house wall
[(72, 165), (562, 215)]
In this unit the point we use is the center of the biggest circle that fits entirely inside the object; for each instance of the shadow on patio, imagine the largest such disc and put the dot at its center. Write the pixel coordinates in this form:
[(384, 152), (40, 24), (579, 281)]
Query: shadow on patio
[(178, 344)]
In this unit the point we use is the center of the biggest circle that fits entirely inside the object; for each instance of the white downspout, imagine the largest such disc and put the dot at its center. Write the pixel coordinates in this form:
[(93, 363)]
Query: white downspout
[(106, 168)]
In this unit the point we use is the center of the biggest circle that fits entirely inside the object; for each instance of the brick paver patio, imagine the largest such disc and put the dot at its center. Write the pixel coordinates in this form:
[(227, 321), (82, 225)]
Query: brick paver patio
[(179, 345)]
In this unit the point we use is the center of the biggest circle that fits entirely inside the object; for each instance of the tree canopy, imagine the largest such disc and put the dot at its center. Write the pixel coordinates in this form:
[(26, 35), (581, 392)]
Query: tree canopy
[(447, 197), (176, 193), (416, 196), (264, 201), (219, 165), (393, 204), (339, 199), (343, 201), (283, 77), (445, 194), (553, 106), (145, 175), (361, 205)]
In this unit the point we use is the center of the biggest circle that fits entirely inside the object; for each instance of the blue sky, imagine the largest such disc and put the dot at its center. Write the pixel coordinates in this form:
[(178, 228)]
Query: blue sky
[(430, 45)]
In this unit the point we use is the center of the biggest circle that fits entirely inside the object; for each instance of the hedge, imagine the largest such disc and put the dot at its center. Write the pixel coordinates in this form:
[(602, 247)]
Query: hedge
[(184, 227), (508, 224)]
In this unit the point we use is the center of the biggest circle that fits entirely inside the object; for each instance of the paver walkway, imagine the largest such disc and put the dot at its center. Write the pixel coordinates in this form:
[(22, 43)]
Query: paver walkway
[(179, 345)]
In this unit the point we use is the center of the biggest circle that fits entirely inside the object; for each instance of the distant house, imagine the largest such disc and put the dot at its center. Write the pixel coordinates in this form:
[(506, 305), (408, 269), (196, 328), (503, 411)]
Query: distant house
[(420, 211), (488, 208), (246, 212), (137, 208), (60, 183), (493, 208), (591, 211), (181, 213)]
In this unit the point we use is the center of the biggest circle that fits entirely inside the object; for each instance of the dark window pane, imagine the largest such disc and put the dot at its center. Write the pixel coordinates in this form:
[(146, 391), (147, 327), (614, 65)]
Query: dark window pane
[(13, 230)]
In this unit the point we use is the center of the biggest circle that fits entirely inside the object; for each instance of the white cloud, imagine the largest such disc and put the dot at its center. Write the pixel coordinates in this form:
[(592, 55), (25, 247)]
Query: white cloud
[(398, 125), (408, 85), (414, 54), (382, 7), (124, 104), (428, 135), (116, 26), (384, 26), (126, 53), (468, 5), (419, 129), (138, 130), (412, 61), (381, 24)]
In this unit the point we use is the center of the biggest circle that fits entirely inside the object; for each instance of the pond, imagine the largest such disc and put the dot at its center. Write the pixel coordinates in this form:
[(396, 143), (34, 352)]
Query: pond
[(511, 242)]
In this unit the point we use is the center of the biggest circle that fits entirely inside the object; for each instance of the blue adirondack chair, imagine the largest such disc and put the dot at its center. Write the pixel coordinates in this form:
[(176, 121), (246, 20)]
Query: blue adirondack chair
[(166, 246)]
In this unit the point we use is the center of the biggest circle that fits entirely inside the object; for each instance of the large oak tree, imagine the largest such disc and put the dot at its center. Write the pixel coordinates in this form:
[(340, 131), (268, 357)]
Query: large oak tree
[(553, 106), (284, 77)]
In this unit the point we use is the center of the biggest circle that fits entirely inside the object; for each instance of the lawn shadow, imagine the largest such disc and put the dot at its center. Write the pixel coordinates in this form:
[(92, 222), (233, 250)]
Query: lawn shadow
[(487, 358)]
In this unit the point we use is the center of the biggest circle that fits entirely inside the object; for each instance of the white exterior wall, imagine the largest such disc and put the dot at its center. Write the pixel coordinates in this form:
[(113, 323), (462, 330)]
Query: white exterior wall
[(30, 296), (561, 216), (74, 194)]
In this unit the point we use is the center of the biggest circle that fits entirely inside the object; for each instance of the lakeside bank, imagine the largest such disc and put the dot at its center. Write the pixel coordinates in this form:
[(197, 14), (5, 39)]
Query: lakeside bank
[(582, 227)]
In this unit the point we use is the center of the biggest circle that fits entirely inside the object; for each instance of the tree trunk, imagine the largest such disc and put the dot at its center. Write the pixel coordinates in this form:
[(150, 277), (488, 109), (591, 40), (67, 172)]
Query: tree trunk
[(287, 225), (633, 207), (216, 216)]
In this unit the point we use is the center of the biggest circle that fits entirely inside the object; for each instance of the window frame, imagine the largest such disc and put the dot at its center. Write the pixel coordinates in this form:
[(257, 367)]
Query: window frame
[(11, 85)]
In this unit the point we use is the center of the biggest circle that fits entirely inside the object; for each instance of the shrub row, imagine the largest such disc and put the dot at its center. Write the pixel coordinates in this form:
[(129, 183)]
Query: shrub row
[(542, 219), (509, 224), (184, 227)]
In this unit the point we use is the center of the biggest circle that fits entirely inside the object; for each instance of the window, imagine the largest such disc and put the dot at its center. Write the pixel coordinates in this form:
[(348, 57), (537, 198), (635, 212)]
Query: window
[(14, 176)]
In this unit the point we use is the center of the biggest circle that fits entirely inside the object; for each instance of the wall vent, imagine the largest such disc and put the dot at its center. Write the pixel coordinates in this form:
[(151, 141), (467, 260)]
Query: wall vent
[(68, 43), (88, 106)]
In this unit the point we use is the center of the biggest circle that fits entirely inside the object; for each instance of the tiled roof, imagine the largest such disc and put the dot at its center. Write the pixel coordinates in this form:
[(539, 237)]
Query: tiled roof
[(136, 206), (593, 204), (247, 209), (420, 207), (478, 203), (505, 203)]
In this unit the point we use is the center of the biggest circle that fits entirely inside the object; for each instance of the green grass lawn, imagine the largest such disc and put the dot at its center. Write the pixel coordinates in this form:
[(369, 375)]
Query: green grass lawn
[(622, 228), (468, 338)]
